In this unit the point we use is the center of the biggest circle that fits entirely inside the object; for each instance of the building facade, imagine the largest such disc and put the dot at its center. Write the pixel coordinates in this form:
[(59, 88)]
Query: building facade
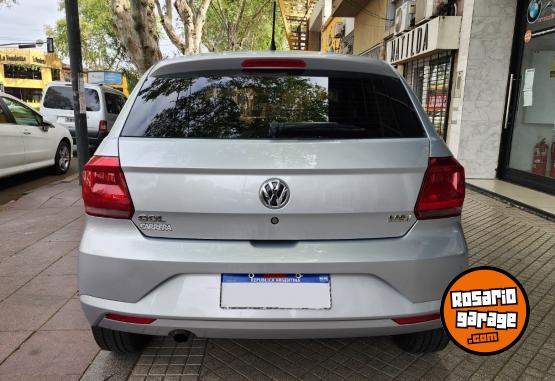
[(25, 72), (483, 70), (501, 119), (527, 154)]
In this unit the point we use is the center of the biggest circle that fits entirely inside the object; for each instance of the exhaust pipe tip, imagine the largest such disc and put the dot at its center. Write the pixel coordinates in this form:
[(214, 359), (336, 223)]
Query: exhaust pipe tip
[(181, 336)]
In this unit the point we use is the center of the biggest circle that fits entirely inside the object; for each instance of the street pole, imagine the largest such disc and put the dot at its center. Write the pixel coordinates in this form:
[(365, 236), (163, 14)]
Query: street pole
[(273, 43), (77, 83)]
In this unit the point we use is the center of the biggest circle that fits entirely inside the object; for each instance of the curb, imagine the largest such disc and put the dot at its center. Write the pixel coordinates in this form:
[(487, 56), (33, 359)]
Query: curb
[(517, 204)]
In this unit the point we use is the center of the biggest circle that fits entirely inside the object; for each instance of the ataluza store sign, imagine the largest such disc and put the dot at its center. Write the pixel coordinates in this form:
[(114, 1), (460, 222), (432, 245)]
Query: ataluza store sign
[(440, 33)]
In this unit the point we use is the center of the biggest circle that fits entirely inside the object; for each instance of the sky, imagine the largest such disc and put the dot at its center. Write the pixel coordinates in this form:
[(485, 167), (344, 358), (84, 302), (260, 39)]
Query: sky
[(25, 22)]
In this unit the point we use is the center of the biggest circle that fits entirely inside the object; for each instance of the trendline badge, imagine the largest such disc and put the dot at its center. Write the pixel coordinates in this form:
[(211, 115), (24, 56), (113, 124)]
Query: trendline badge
[(485, 310)]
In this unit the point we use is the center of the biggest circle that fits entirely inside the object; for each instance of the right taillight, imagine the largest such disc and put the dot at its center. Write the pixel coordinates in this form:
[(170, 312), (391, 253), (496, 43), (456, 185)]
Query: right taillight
[(104, 189), (442, 192)]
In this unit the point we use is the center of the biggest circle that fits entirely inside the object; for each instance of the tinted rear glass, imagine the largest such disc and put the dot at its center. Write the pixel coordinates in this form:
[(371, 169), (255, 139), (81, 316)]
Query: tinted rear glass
[(273, 106), (114, 103), (61, 97)]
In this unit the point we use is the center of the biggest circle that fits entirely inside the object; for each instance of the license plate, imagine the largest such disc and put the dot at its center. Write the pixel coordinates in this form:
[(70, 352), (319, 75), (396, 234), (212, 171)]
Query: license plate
[(276, 291)]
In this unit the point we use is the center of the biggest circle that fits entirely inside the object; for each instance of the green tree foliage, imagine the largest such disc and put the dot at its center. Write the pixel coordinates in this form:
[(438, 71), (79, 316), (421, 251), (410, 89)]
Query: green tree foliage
[(242, 25), (240, 106), (101, 47)]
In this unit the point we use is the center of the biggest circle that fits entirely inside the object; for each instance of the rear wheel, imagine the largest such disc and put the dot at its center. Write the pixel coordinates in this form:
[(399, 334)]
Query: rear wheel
[(119, 342), (62, 160), (423, 342)]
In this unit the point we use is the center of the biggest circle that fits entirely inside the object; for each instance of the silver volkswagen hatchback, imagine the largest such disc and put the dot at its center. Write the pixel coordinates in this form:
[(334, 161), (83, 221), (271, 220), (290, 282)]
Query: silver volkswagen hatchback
[(271, 195)]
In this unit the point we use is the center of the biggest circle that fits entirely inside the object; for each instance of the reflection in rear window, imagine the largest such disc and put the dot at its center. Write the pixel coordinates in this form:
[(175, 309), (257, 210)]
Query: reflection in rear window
[(273, 106), (61, 98)]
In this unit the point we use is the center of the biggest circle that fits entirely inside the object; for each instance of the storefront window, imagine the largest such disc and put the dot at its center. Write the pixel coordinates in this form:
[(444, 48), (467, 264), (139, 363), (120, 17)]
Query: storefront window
[(22, 71), (533, 138), (56, 74), (430, 78), (26, 95)]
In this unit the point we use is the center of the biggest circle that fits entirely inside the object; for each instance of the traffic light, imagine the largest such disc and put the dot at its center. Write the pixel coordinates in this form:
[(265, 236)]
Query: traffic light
[(49, 45)]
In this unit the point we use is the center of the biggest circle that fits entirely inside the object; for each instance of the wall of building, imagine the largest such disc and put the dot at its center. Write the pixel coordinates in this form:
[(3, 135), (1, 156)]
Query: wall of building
[(482, 68), (369, 29), (329, 43), (29, 58), (314, 41)]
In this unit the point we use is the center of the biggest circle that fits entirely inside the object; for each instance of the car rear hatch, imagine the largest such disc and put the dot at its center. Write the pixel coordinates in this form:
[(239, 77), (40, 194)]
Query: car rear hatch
[(57, 106), (197, 148)]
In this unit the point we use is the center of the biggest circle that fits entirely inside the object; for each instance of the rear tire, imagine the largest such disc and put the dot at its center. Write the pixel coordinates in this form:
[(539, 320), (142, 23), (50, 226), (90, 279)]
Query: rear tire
[(119, 342), (62, 160), (423, 342)]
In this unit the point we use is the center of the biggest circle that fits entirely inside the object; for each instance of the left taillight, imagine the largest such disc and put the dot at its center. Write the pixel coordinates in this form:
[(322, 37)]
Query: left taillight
[(105, 192)]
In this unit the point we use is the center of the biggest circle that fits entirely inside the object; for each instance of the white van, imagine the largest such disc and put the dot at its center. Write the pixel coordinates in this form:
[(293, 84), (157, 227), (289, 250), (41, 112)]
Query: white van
[(103, 106)]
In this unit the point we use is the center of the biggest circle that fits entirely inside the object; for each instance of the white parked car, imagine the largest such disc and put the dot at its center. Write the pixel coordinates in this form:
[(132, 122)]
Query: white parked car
[(103, 107), (28, 142)]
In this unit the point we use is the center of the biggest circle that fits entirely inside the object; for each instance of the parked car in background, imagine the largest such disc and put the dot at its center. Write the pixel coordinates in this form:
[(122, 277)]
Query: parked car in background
[(103, 105), (271, 195), (29, 142)]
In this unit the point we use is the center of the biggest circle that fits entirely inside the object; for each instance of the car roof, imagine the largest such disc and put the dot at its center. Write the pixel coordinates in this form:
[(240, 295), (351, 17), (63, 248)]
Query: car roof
[(6, 95), (9, 96), (87, 86), (233, 60)]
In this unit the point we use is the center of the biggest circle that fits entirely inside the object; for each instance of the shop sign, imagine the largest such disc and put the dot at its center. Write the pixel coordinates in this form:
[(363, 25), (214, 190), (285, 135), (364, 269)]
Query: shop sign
[(18, 58), (440, 33), (105, 77), (39, 61), (13, 58), (540, 14)]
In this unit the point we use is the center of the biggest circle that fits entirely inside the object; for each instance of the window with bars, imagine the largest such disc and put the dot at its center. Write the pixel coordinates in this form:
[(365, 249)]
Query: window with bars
[(430, 79)]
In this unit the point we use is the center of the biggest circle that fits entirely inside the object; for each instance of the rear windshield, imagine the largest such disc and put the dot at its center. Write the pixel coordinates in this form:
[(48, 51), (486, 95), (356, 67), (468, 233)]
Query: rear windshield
[(61, 98), (273, 106)]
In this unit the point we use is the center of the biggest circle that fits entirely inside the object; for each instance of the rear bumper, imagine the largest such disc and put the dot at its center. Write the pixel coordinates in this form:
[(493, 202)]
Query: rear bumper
[(178, 281), (95, 309)]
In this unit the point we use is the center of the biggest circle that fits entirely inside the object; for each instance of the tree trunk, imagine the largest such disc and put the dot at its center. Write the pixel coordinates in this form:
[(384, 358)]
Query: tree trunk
[(194, 20), (136, 25), (166, 16)]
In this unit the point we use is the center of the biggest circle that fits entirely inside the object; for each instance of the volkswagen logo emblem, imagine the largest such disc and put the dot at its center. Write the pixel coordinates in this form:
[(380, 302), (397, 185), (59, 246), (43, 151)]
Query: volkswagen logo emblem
[(274, 193)]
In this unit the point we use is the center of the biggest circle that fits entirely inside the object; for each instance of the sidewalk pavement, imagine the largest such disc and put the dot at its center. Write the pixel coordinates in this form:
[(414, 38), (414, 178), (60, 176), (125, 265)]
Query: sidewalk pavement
[(44, 335)]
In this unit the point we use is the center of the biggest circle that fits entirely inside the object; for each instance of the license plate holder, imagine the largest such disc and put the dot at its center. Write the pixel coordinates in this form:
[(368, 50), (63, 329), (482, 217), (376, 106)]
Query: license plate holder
[(275, 291)]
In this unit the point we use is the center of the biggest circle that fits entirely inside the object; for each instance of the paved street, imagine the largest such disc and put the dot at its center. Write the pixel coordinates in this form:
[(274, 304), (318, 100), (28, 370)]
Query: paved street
[(44, 336)]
